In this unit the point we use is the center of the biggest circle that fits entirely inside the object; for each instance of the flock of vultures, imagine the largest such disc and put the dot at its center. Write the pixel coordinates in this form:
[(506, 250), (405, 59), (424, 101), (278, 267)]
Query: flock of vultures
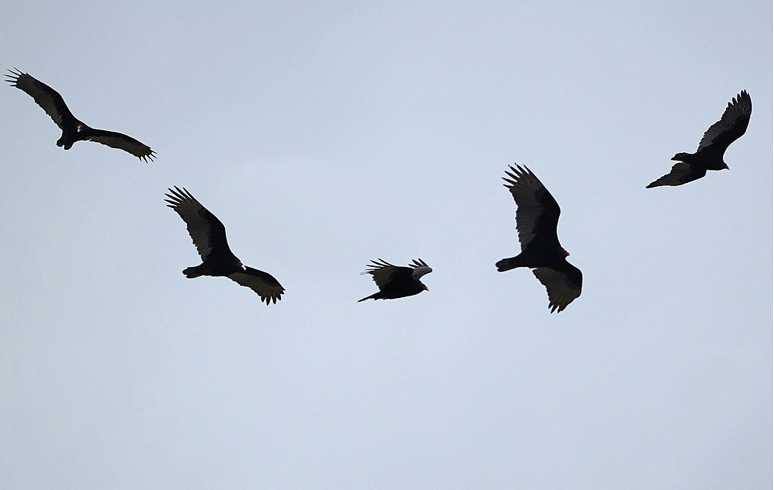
[(537, 212)]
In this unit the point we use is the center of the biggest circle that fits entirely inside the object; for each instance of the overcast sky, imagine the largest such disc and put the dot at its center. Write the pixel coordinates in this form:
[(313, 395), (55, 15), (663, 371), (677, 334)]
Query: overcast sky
[(327, 134)]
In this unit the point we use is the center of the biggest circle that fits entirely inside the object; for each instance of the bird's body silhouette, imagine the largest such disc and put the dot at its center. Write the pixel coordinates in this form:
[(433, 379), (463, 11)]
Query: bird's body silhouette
[(74, 130), (713, 145), (397, 281), (209, 237), (537, 217)]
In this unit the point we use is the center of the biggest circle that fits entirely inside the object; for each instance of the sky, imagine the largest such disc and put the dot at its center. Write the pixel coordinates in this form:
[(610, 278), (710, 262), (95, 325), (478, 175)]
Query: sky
[(327, 134)]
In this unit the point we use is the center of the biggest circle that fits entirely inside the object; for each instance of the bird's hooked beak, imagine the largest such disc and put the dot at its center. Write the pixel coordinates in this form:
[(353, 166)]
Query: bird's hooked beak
[(566, 253), (725, 166), (426, 288)]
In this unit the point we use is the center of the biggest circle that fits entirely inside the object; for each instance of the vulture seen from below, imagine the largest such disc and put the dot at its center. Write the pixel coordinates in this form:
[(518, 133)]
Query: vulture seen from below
[(209, 237), (712, 146), (397, 281), (72, 129), (536, 219)]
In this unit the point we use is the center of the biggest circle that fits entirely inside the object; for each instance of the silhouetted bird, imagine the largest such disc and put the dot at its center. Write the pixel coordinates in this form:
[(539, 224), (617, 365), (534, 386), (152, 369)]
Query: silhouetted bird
[(397, 281), (536, 219), (72, 129), (712, 146), (209, 237)]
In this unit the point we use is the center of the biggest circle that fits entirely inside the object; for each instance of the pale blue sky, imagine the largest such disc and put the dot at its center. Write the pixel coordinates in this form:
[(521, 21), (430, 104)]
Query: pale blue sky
[(327, 134)]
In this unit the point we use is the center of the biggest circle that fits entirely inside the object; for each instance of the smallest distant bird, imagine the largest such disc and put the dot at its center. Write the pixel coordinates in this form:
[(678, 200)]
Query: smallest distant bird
[(397, 281)]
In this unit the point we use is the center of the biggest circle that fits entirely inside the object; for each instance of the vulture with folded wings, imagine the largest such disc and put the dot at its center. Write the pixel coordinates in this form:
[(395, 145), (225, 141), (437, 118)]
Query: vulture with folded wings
[(712, 146), (397, 281), (209, 237), (536, 219), (72, 129)]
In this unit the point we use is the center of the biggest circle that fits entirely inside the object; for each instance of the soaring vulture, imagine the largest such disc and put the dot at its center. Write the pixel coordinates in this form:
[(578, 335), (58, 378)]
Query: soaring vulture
[(536, 219), (209, 237), (712, 146), (397, 281), (72, 129)]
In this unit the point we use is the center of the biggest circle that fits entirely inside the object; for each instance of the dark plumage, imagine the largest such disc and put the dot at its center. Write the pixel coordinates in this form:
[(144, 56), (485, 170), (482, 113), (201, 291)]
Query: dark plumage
[(72, 129), (397, 281), (209, 237), (709, 155), (536, 219)]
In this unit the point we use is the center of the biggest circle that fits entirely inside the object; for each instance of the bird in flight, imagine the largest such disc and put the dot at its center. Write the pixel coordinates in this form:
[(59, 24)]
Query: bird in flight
[(397, 281), (209, 237), (713, 145), (72, 129), (537, 216)]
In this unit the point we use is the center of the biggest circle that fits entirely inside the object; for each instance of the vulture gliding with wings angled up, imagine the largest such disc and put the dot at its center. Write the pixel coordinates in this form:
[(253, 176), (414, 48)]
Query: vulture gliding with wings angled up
[(72, 129), (536, 219), (209, 237), (397, 281), (712, 146)]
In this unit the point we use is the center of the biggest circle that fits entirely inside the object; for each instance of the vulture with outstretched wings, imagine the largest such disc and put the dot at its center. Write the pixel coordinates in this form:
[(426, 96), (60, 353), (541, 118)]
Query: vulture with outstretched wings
[(72, 129), (537, 216), (712, 146), (397, 281), (209, 237)]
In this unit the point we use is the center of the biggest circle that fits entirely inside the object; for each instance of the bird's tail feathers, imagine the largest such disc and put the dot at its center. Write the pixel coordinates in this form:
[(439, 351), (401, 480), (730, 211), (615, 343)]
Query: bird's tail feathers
[(682, 157), (192, 272), (508, 264)]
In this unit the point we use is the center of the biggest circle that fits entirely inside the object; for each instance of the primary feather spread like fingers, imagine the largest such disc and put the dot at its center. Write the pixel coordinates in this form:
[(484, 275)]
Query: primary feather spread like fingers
[(205, 228), (123, 142), (538, 212), (732, 124), (46, 97), (262, 283), (562, 288)]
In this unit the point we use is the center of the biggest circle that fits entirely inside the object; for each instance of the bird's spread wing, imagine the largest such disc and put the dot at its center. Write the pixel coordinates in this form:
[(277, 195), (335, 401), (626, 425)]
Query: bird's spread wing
[(206, 230), (538, 212), (382, 271), (732, 125), (562, 286), (123, 142), (268, 288), (46, 97), (420, 268), (681, 173)]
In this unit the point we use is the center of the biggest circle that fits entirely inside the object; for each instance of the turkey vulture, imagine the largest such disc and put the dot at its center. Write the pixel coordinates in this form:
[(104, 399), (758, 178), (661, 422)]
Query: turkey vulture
[(536, 220), (209, 237), (712, 146), (72, 129), (397, 281)]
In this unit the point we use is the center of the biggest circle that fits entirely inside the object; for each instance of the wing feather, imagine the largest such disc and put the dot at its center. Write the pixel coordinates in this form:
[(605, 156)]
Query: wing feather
[(681, 173), (205, 229), (538, 212), (382, 271), (263, 283), (562, 286), (732, 124), (46, 97), (123, 142)]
